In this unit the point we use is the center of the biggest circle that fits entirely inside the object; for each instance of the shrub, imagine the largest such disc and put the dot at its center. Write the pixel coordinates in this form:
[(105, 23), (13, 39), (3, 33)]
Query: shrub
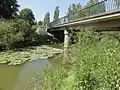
[(54, 80), (14, 32), (41, 35), (96, 61)]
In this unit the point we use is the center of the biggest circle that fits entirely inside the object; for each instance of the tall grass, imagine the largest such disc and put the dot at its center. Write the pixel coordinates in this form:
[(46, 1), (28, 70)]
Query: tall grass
[(97, 61)]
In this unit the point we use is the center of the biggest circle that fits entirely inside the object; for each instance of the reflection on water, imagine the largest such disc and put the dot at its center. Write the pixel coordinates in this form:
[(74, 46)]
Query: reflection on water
[(29, 70), (8, 74), (16, 77)]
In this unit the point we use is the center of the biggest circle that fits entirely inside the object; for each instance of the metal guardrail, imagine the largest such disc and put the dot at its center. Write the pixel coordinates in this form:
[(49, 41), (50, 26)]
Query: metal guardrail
[(103, 7)]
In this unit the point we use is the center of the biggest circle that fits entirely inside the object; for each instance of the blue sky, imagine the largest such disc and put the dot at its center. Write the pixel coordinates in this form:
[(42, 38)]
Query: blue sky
[(40, 7)]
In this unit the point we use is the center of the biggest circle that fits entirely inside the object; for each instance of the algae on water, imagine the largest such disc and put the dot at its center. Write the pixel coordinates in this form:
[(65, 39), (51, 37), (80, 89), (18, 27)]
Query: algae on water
[(34, 53)]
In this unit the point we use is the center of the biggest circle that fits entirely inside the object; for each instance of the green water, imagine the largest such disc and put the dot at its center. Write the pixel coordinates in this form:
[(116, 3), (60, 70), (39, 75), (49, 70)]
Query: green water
[(16, 77)]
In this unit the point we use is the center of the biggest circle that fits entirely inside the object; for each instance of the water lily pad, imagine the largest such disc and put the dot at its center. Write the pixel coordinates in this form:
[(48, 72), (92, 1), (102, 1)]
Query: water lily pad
[(29, 54)]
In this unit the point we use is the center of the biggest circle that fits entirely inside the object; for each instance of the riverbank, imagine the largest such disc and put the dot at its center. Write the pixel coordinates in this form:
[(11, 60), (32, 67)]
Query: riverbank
[(28, 54), (95, 65)]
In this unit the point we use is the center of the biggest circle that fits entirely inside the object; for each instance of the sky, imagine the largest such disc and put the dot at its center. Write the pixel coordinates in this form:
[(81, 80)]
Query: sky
[(40, 7)]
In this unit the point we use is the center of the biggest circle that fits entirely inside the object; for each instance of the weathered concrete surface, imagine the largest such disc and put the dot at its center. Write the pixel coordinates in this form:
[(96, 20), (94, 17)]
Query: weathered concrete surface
[(66, 38)]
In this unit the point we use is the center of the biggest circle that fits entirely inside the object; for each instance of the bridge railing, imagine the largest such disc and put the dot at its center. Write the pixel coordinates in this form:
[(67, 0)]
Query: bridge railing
[(103, 7)]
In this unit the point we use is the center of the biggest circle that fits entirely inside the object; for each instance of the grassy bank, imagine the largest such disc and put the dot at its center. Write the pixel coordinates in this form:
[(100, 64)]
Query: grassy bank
[(27, 54), (96, 65)]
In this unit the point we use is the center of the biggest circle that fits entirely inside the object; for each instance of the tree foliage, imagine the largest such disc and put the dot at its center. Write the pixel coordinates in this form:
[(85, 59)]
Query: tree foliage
[(35, 22), (47, 19), (117, 2), (8, 8), (73, 8), (56, 14), (40, 23), (90, 3), (89, 9), (27, 14), (69, 10), (98, 8), (14, 32), (79, 6)]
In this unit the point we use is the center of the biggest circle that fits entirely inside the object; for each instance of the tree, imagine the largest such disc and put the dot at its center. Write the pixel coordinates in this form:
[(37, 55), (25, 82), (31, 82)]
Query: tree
[(79, 6), (117, 2), (78, 14), (56, 14), (74, 8), (35, 22), (102, 7), (27, 14), (14, 32), (8, 8), (47, 19), (69, 12), (93, 9), (40, 23), (90, 3)]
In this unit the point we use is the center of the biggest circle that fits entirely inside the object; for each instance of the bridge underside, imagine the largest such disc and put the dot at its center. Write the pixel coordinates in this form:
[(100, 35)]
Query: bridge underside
[(102, 25), (58, 35)]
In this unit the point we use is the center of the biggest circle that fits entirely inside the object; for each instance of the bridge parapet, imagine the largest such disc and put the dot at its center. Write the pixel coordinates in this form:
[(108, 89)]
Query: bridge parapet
[(96, 10)]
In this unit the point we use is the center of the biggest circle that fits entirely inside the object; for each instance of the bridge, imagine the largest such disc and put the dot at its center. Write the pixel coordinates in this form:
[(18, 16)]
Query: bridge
[(104, 15)]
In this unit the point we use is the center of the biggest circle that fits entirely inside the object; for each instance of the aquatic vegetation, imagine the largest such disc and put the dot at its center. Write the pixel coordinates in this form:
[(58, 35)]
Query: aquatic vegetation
[(29, 54)]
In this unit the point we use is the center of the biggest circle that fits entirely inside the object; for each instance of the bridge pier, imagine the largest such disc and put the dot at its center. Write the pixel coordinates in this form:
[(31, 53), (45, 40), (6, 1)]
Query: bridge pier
[(66, 38)]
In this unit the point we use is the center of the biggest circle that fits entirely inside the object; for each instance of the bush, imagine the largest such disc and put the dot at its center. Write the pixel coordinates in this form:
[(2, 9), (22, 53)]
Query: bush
[(34, 27), (54, 80), (14, 32), (96, 61)]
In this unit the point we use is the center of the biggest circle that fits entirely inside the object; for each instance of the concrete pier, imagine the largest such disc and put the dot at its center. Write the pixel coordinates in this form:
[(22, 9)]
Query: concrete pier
[(66, 38)]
